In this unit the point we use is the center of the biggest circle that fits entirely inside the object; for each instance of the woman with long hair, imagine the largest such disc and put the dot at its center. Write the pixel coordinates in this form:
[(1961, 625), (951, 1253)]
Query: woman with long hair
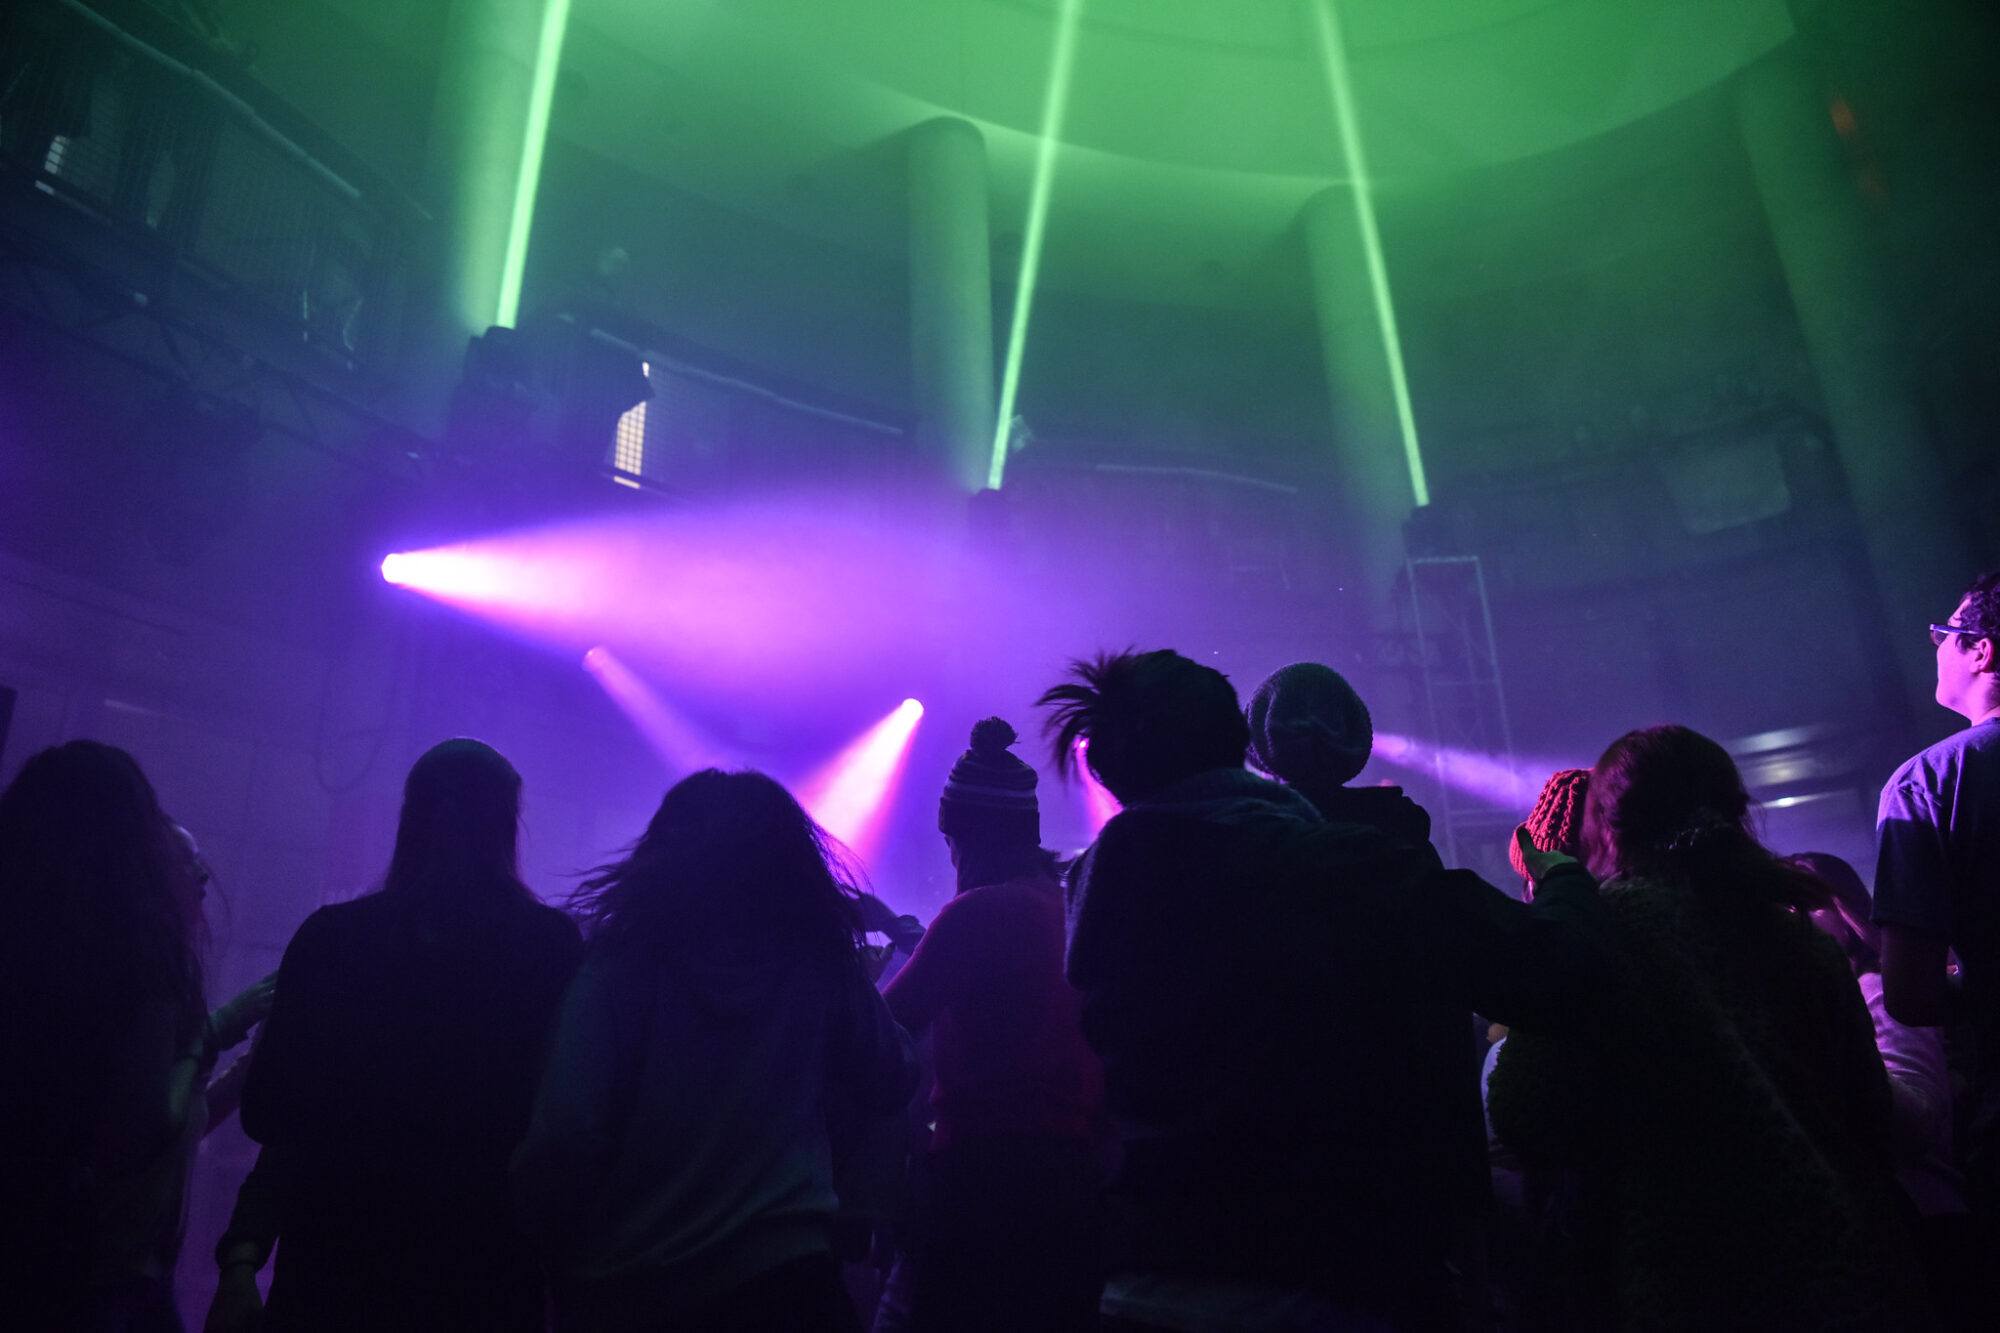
[(103, 1025), (396, 1071), (679, 1169), (1728, 1102)]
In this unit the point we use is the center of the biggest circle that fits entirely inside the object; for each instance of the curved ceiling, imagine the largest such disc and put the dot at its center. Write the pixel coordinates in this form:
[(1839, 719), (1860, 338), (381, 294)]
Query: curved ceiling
[(1195, 128)]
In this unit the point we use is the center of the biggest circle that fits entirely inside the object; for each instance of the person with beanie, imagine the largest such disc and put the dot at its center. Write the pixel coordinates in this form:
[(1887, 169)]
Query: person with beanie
[(1005, 1236), (1310, 731), (1556, 822), (1280, 1001)]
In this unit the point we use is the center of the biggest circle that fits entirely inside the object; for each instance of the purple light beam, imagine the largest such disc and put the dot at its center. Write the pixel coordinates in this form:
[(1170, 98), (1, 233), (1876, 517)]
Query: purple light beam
[(677, 741), (852, 794)]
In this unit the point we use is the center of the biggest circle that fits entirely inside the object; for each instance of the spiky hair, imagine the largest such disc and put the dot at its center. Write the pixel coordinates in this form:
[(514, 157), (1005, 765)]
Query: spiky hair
[(1150, 719)]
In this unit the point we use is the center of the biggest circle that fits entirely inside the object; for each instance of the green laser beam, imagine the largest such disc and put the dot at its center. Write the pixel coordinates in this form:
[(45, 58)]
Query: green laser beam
[(534, 141), (1054, 101), (1334, 47)]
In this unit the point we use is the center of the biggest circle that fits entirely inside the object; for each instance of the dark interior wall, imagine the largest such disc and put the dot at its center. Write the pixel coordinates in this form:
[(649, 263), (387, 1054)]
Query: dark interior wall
[(1243, 385), (364, 71), (1921, 133), (747, 291), (1598, 361)]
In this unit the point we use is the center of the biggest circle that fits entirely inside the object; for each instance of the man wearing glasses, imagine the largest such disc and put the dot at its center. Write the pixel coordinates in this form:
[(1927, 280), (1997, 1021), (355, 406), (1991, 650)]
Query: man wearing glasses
[(1937, 875)]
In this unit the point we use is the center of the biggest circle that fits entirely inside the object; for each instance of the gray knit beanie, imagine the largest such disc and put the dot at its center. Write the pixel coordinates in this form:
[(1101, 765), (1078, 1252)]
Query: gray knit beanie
[(1307, 725)]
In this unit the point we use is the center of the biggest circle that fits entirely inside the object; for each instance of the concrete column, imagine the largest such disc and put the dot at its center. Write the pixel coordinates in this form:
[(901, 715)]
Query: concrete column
[(1919, 556), (1367, 439), (485, 80), (951, 299)]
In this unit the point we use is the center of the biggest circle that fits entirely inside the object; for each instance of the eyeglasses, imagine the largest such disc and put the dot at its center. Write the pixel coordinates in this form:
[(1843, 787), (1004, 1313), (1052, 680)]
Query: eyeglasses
[(1938, 633)]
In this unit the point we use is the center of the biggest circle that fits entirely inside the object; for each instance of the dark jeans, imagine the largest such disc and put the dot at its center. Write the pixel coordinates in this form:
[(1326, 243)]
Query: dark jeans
[(1006, 1239), (803, 1296)]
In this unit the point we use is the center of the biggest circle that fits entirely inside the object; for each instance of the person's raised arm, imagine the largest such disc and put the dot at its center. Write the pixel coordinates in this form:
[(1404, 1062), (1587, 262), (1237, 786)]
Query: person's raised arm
[(870, 1057), (1540, 964), (935, 972)]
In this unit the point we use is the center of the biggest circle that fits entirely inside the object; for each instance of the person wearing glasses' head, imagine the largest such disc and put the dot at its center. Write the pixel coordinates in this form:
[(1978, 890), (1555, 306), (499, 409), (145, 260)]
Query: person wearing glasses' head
[(1937, 870)]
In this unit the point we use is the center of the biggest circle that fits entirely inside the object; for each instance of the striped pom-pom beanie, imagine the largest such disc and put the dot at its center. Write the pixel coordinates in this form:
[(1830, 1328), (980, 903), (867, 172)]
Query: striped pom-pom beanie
[(989, 799)]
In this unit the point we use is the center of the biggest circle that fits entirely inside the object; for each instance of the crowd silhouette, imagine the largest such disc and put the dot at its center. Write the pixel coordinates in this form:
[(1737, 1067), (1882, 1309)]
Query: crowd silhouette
[(1256, 1061)]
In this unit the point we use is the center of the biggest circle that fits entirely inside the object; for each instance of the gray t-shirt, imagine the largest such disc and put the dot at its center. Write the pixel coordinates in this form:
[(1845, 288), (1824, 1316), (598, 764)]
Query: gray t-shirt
[(1938, 871)]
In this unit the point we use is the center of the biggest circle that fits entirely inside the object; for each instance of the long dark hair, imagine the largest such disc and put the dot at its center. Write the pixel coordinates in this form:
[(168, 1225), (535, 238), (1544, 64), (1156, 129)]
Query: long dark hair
[(1668, 802), (458, 837), (92, 886), (731, 867), (100, 926)]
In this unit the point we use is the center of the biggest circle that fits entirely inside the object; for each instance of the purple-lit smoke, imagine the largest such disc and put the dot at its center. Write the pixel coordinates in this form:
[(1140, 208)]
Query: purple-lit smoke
[(748, 599), (676, 740), (1098, 802), (1504, 782), (852, 794)]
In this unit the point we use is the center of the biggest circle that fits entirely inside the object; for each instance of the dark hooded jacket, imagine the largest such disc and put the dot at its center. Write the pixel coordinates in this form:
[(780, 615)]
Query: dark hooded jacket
[(679, 1145), (1270, 996)]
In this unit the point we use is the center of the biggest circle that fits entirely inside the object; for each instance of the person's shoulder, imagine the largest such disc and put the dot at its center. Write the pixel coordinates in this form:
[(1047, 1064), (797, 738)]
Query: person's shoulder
[(1951, 752), (548, 921), (1355, 844), (545, 931), (1014, 899), (339, 919)]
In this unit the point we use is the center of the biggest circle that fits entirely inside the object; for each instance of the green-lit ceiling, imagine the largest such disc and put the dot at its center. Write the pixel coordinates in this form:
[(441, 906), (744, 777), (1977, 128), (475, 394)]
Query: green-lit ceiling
[(1195, 128)]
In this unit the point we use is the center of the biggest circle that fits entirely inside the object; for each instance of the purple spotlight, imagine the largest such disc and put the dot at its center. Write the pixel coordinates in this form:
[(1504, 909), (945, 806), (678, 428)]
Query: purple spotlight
[(1098, 803), (747, 600), (675, 739), (852, 793), (1490, 777)]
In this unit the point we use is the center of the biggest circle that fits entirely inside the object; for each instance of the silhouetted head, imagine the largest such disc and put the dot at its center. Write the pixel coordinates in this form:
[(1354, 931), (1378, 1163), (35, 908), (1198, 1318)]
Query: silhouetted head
[(458, 838), (87, 858), (1668, 802), (730, 865), (100, 926), (100, 939), (1148, 720), (1308, 727), (988, 804)]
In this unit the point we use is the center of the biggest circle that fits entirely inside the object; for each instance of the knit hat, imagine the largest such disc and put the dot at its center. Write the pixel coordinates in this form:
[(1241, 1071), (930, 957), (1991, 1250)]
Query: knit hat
[(1307, 725), (1556, 823), (990, 796)]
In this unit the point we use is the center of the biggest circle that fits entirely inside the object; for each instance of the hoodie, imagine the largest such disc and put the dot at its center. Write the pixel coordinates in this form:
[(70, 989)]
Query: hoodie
[(1269, 994), (679, 1145)]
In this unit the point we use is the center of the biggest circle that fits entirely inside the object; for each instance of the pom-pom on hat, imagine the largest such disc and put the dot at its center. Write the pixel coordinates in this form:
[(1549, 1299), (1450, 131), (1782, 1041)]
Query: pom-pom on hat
[(990, 796), (1308, 726)]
